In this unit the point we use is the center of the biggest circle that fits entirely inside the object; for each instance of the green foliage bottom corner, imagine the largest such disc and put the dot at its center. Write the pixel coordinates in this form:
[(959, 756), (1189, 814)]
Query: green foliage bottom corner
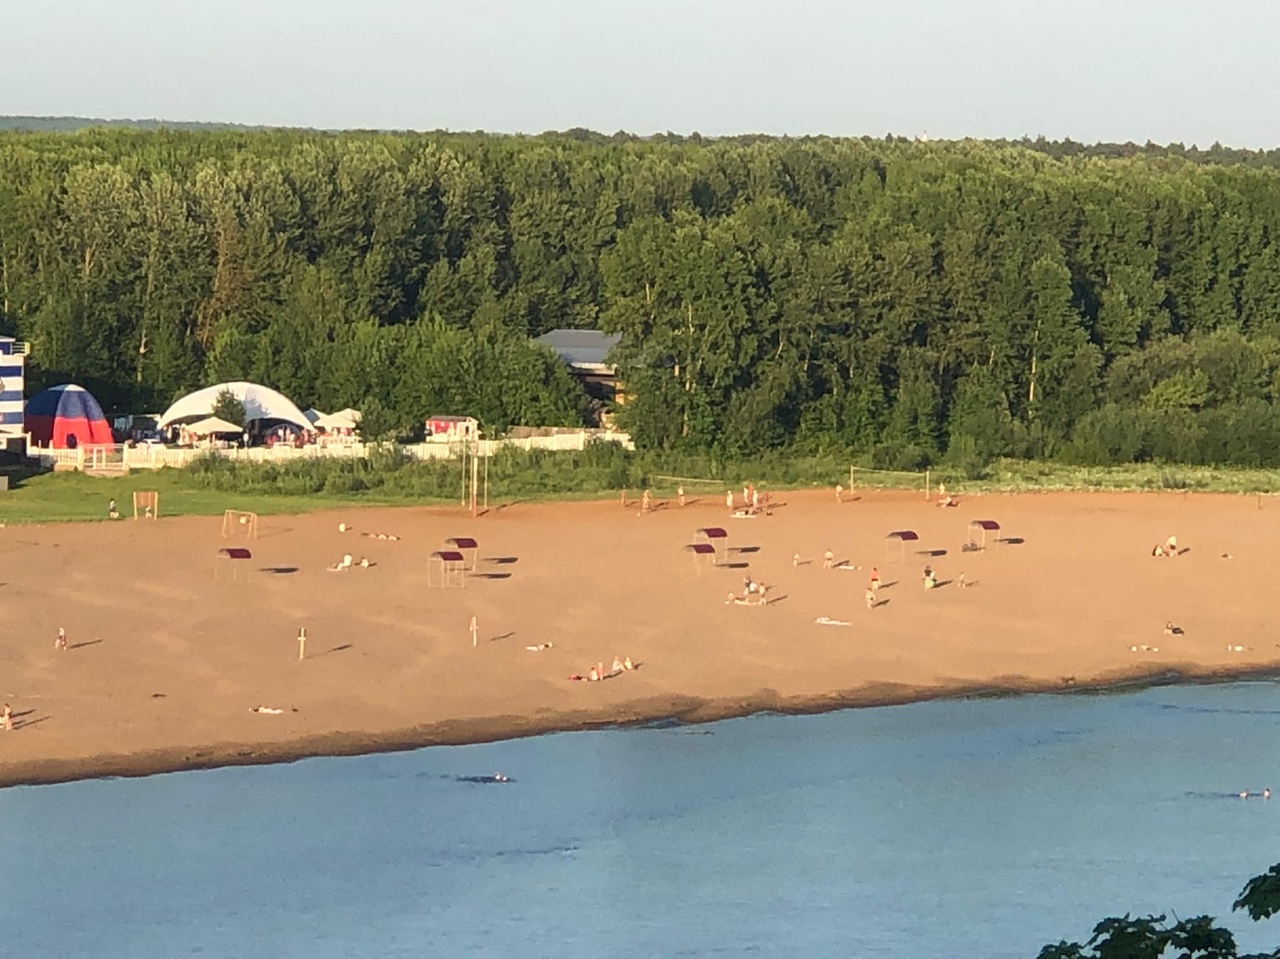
[(1154, 937)]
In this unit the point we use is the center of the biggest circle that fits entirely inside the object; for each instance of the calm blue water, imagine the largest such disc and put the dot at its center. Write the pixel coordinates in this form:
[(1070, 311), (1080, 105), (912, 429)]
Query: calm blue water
[(981, 828)]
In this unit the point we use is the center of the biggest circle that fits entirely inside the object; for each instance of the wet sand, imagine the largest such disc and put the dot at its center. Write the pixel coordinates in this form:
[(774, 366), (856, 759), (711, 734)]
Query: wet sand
[(167, 656)]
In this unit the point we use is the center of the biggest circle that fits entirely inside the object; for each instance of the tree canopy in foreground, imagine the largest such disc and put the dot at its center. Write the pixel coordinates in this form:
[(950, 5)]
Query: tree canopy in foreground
[(1154, 937)]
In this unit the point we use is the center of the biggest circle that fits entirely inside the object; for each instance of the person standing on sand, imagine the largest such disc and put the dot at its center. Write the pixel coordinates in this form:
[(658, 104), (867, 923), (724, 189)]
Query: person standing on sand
[(828, 559), (870, 598), (728, 500), (6, 718), (875, 579), (61, 641), (645, 501), (680, 496), (839, 493)]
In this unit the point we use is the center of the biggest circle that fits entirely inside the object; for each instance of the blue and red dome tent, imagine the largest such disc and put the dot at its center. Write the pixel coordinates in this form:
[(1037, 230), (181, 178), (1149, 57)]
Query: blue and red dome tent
[(65, 417)]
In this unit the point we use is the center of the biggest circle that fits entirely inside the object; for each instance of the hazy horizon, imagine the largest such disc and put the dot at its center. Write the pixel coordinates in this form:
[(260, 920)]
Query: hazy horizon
[(992, 69)]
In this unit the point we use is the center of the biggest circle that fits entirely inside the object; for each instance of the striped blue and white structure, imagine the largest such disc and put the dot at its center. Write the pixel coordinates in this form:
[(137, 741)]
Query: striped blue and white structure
[(13, 363)]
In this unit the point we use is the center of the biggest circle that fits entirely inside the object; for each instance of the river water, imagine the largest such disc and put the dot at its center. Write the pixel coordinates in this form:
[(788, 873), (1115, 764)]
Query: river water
[(980, 828)]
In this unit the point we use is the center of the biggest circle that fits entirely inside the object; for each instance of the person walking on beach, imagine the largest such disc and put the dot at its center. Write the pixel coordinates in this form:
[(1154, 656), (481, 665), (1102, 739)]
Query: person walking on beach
[(839, 493), (680, 496), (875, 579), (6, 718), (61, 641), (828, 559), (645, 501)]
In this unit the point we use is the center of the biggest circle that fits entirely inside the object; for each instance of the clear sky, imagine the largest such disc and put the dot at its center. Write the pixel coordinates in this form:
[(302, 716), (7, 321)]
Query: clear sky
[(1164, 70)]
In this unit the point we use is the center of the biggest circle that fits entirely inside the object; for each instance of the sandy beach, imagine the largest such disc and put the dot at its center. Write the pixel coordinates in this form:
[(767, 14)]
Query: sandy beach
[(167, 657)]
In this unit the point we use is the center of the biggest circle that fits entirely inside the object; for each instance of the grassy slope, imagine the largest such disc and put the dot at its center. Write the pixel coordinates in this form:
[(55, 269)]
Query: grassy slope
[(57, 497)]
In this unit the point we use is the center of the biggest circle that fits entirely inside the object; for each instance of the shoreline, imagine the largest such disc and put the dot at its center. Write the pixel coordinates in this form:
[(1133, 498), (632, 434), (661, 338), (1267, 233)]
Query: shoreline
[(680, 710), (170, 650)]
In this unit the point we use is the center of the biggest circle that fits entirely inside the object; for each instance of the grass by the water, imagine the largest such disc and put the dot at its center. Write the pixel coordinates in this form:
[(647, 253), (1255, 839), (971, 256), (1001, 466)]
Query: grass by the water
[(211, 486)]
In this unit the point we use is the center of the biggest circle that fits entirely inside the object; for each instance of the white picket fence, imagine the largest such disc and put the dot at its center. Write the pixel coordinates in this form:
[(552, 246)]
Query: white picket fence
[(107, 459)]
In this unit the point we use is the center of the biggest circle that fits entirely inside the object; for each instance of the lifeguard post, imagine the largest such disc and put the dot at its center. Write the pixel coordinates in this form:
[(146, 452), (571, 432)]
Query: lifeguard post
[(13, 370)]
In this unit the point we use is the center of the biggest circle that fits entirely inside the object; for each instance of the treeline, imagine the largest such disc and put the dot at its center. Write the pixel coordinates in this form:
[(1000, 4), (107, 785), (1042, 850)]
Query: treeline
[(914, 302)]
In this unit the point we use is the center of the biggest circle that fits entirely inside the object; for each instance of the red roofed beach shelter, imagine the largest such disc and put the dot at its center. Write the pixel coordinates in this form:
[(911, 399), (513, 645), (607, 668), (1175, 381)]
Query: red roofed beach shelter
[(445, 568), (717, 537), (465, 544), (902, 537), (983, 527), (702, 551), (65, 417)]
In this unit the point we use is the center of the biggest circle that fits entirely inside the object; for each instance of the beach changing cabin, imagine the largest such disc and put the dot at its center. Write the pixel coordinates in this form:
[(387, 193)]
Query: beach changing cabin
[(446, 429)]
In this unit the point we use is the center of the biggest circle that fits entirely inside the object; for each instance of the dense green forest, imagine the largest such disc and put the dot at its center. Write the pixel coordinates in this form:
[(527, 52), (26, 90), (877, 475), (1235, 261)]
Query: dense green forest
[(914, 302)]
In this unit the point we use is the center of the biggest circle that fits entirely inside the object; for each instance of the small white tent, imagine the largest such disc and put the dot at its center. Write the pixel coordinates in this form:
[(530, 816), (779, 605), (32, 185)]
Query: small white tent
[(260, 403), (211, 425), (347, 419)]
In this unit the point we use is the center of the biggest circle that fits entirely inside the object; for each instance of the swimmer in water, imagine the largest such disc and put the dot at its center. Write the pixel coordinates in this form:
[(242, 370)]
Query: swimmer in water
[(499, 778), (1266, 793), (1244, 794)]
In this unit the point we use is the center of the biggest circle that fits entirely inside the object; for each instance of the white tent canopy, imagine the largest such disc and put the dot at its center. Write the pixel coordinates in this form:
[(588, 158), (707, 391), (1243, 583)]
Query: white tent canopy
[(260, 403), (347, 419), (211, 425)]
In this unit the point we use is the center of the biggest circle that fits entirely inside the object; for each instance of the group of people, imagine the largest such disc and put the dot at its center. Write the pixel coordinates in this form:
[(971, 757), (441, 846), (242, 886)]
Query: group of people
[(347, 562), (753, 594), (753, 501), (597, 672)]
